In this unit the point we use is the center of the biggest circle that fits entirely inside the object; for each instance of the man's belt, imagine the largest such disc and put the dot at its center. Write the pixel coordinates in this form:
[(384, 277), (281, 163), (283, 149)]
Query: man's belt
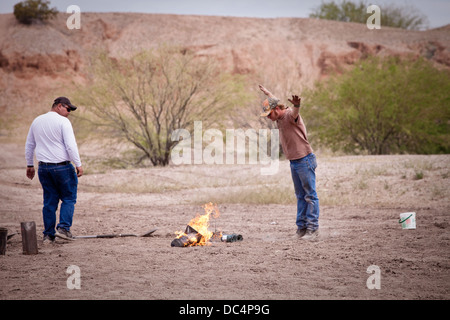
[(64, 163)]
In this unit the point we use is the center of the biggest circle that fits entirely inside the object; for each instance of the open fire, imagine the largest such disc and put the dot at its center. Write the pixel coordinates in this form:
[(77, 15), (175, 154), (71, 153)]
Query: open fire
[(197, 232)]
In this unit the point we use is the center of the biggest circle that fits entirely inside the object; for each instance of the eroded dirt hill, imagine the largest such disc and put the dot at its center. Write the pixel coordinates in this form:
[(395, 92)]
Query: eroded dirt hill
[(41, 60)]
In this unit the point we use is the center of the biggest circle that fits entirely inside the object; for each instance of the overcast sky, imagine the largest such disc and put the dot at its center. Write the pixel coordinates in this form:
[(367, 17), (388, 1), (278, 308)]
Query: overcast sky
[(437, 11)]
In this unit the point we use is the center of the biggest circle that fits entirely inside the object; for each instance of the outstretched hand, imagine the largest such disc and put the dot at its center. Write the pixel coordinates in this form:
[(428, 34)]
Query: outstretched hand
[(266, 92), (295, 100)]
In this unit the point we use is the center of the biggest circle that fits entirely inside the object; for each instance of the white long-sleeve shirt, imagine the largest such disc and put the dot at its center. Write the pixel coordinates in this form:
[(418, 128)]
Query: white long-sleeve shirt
[(51, 136)]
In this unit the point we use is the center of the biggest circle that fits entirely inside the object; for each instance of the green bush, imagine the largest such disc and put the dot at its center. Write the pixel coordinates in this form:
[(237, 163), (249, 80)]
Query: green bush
[(405, 17), (30, 11), (383, 106)]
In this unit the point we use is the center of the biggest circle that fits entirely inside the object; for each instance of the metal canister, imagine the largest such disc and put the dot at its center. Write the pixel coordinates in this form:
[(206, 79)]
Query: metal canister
[(231, 237)]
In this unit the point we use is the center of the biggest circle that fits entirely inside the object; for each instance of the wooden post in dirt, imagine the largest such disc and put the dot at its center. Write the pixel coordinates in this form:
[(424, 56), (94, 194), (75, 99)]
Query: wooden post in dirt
[(29, 239), (3, 238)]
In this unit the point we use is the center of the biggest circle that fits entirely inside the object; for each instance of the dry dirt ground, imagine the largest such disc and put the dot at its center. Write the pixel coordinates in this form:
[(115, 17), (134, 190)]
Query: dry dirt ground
[(361, 199)]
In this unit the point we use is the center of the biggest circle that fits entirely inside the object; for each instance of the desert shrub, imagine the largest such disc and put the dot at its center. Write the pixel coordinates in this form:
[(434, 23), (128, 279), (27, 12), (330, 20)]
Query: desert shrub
[(30, 11), (405, 17), (383, 106)]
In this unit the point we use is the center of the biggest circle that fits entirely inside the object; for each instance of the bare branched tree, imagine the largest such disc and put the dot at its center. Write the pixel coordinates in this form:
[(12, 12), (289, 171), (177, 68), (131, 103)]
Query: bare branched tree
[(144, 99)]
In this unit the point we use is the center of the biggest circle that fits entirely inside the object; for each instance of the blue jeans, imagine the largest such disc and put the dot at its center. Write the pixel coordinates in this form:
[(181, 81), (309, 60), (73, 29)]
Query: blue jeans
[(304, 177), (58, 183)]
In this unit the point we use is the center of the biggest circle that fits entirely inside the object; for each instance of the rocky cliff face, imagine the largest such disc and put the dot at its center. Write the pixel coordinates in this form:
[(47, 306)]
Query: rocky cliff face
[(41, 59)]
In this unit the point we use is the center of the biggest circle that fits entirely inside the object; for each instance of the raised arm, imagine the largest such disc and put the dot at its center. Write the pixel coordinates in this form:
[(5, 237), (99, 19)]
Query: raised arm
[(266, 92), (296, 102)]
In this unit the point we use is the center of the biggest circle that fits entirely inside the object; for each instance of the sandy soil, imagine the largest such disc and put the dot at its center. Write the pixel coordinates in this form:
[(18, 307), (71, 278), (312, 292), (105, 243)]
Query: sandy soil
[(361, 198)]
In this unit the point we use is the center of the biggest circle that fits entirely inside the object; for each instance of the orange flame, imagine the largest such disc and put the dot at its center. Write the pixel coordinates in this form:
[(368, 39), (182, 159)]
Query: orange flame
[(201, 224)]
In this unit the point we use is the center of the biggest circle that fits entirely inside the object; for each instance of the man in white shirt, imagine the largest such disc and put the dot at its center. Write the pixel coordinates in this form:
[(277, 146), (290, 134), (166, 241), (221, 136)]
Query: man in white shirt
[(51, 137)]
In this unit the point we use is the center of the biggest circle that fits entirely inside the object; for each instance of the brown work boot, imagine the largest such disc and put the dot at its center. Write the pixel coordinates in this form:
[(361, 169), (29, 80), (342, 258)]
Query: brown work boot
[(64, 234), (48, 240), (300, 233), (311, 235)]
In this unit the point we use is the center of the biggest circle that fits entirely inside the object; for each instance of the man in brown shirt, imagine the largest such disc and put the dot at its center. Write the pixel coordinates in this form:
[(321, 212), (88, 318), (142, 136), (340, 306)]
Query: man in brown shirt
[(295, 145)]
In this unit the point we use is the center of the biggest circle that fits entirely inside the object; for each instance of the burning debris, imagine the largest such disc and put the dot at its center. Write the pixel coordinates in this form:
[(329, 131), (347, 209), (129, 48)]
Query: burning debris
[(197, 232), (189, 238)]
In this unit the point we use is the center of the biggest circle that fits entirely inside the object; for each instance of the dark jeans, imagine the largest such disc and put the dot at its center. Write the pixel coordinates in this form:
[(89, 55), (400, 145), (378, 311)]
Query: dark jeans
[(58, 183), (304, 177)]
